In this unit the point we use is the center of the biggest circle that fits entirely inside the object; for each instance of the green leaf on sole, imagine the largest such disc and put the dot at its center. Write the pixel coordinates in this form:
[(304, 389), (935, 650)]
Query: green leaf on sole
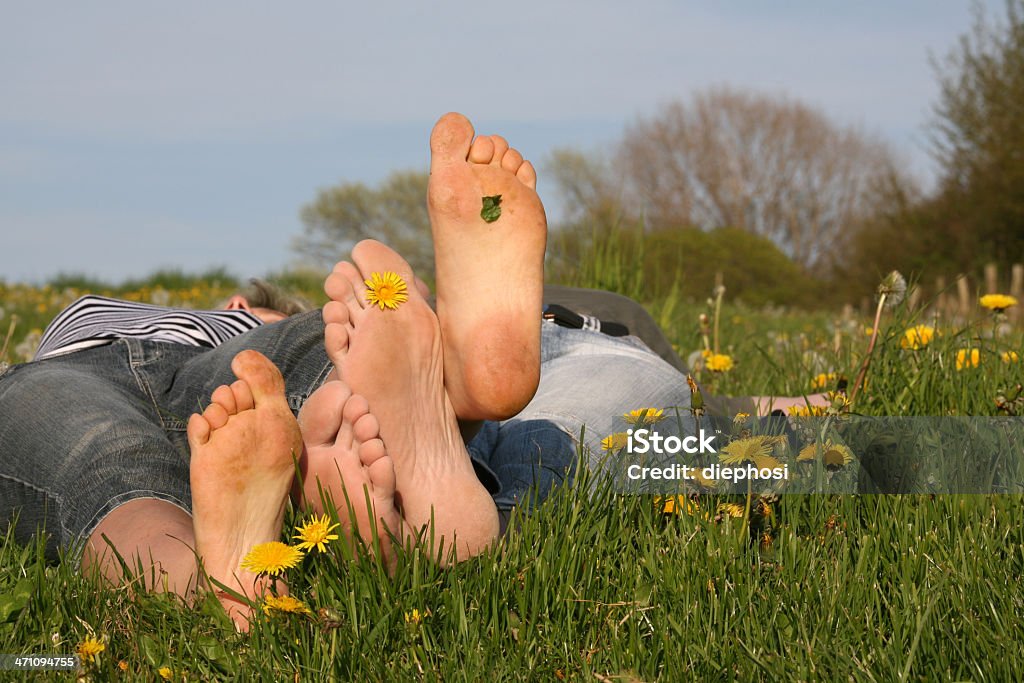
[(492, 208)]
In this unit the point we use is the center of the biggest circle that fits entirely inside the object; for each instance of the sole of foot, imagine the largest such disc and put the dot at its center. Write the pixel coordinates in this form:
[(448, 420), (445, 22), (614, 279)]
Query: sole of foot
[(490, 275), (244, 447), (393, 357), (346, 465)]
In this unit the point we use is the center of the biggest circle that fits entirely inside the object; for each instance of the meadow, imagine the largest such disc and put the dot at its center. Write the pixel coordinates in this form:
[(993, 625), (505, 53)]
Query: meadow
[(614, 587)]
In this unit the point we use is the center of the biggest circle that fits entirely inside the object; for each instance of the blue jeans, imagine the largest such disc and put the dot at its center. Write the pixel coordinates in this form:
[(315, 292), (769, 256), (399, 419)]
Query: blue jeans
[(88, 431), (588, 381)]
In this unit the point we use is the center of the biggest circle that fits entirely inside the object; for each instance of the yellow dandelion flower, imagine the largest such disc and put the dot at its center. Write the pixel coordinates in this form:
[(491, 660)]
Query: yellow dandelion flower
[(1009, 356), (414, 617), (917, 337), (165, 672), (807, 411), (386, 290), (316, 533), (89, 648), (718, 362), (742, 450), (677, 505), (823, 380), (765, 462), (284, 603), (741, 417), (833, 455), (697, 475), (271, 558), (967, 358), (837, 456), (615, 442), (730, 510), (998, 302), (868, 331), (644, 416), (122, 665)]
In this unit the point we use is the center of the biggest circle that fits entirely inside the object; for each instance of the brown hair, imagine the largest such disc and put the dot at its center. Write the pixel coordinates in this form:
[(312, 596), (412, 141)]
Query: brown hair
[(262, 294)]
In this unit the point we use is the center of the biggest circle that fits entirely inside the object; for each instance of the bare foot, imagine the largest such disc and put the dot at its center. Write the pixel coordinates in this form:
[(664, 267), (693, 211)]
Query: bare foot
[(766, 404), (394, 359), (490, 276), (346, 460), (242, 466)]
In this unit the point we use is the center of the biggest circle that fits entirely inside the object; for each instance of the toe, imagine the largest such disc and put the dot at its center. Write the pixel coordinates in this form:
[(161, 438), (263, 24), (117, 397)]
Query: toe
[(450, 139), (527, 175), (423, 288), (215, 415), (355, 408), (223, 396), (372, 451), (500, 147), (320, 416), (264, 379), (366, 428), (198, 431), (243, 396), (380, 469), (512, 160), (356, 283), (482, 150), (371, 256), (343, 285), (337, 312), (335, 340)]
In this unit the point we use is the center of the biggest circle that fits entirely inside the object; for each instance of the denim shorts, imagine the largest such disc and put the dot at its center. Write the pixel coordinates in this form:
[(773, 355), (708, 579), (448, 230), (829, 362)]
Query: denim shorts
[(85, 432), (588, 382)]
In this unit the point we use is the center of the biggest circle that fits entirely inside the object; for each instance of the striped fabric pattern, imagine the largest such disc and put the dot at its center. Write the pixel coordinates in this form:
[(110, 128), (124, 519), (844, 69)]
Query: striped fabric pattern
[(97, 320)]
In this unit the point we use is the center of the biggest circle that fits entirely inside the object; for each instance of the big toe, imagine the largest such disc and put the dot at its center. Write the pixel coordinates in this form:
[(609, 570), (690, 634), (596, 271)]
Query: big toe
[(262, 375), (450, 139), (371, 256)]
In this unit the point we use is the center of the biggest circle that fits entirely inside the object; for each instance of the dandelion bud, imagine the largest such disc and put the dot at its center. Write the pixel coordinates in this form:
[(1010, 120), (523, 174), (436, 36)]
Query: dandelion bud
[(329, 618), (696, 398)]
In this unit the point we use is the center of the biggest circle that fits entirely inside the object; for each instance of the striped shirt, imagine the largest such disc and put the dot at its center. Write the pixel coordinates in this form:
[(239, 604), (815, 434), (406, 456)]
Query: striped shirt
[(97, 320)]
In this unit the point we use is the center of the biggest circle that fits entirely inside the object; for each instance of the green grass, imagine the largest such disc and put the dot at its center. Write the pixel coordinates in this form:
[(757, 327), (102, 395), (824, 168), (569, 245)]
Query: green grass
[(607, 587), (873, 588)]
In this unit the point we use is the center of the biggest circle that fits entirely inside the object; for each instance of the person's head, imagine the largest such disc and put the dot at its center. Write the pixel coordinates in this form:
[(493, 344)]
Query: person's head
[(267, 302)]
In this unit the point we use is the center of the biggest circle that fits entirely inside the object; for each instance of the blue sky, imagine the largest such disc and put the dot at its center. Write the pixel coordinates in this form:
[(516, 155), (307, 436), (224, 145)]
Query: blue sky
[(141, 135)]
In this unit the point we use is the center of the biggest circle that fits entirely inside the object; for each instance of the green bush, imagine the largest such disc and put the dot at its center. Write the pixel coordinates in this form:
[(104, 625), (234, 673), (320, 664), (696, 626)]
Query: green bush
[(685, 261)]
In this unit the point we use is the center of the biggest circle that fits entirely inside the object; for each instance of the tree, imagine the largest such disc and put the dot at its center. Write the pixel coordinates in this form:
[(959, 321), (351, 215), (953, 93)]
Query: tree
[(395, 212), (978, 139), (768, 165), (592, 209)]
